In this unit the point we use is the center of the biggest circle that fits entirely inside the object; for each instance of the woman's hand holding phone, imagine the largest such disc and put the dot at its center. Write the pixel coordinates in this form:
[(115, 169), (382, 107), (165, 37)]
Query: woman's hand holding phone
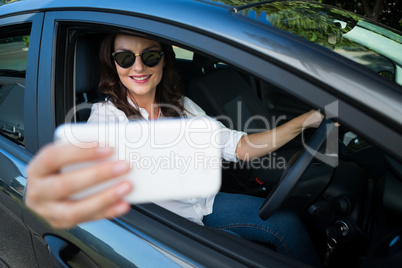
[(48, 191)]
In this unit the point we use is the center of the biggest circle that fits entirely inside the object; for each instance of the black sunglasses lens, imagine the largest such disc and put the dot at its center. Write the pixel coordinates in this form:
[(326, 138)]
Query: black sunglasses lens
[(124, 59), (150, 58)]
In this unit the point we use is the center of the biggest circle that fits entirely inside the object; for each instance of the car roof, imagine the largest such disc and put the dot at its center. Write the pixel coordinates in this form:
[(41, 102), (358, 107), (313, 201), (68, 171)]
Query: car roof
[(120, 5), (185, 12)]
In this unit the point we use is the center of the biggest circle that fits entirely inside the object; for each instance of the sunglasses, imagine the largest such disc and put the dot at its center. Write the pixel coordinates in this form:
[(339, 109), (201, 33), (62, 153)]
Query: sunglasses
[(126, 59)]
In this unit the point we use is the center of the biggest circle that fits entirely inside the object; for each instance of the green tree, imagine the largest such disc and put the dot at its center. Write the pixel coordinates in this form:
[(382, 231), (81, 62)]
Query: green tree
[(2, 2), (388, 12), (26, 38), (374, 11)]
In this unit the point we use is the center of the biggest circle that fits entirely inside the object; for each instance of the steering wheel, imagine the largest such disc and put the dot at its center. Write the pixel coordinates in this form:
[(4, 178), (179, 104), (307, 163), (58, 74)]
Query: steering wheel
[(292, 175)]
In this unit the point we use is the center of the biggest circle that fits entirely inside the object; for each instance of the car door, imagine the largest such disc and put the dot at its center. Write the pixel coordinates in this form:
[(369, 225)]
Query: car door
[(19, 47), (148, 235)]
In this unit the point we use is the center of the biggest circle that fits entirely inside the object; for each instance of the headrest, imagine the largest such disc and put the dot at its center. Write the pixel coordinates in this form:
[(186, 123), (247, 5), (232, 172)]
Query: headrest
[(200, 61), (87, 63)]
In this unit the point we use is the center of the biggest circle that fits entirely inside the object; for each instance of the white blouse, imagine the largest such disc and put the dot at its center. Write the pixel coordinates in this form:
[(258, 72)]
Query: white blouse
[(193, 209)]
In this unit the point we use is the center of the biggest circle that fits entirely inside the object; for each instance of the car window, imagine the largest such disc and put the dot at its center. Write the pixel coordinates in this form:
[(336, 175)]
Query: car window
[(13, 62), (183, 54), (234, 97)]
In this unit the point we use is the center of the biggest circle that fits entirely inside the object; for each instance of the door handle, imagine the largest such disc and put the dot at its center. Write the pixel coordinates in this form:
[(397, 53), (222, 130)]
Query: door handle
[(65, 254)]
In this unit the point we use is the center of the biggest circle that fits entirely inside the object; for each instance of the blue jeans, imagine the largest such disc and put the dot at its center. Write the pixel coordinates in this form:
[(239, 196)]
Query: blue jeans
[(284, 231)]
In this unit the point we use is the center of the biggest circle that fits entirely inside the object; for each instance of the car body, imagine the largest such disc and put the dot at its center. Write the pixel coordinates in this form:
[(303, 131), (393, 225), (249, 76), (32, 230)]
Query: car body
[(280, 74)]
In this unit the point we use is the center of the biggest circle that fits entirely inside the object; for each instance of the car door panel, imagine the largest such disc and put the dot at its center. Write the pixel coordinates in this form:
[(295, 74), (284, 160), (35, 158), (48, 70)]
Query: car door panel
[(94, 244)]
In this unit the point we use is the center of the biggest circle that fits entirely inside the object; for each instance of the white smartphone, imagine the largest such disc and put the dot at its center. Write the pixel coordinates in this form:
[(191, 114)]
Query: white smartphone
[(170, 159)]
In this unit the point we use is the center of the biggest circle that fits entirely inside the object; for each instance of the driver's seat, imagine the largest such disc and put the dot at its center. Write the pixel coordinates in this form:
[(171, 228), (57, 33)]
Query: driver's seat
[(223, 92), (87, 74)]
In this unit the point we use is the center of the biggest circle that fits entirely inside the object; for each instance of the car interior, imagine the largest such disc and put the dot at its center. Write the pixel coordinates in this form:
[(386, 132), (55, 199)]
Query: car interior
[(353, 210)]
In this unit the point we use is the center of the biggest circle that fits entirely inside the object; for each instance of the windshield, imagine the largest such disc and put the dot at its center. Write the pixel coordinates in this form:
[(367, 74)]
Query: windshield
[(373, 46)]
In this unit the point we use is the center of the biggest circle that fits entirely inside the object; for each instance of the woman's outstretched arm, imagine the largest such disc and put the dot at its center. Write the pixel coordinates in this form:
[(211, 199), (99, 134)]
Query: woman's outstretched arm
[(263, 143)]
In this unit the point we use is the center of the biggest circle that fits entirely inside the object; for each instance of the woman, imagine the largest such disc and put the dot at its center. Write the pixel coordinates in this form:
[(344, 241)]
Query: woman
[(140, 80)]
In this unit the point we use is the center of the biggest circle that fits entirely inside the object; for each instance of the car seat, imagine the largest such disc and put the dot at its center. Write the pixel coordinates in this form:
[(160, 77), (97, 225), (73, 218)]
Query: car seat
[(223, 93), (87, 74)]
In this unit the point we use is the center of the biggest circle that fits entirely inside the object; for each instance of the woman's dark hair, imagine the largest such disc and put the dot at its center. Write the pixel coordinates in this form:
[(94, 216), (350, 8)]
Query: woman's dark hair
[(168, 94)]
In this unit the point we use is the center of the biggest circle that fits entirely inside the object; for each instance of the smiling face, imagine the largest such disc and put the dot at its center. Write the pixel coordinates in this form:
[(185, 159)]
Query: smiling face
[(139, 79)]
